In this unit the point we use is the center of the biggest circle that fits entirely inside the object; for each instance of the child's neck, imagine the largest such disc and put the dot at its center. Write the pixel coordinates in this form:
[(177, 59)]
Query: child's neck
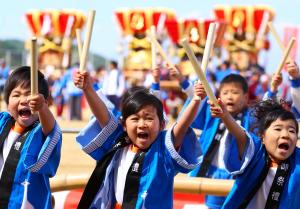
[(134, 148), (273, 164), (18, 128)]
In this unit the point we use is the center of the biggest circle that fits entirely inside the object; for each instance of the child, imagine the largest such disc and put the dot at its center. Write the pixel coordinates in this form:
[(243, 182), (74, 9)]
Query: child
[(29, 143), (137, 160), (269, 175), (233, 92)]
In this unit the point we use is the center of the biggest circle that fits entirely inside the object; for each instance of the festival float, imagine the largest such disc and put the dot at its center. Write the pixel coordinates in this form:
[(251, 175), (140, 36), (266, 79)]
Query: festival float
[(246, 31), (55, 31), (134, 25), (196, 31)]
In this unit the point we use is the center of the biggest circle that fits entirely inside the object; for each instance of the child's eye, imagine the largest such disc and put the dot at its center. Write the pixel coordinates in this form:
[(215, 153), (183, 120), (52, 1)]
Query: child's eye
[(292, 131), (134, 119)]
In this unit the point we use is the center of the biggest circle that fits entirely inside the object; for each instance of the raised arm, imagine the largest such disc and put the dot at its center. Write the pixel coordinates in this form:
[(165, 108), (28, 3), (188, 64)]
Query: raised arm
[(155, 86), (233, 127), (185, 84), (83, 81), (188, 115), (37, 103), (294, 73)]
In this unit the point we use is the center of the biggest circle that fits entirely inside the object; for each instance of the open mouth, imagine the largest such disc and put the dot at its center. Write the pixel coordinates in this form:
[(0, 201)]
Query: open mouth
[(284, 146), (25, 113), (143, 135), (229, 104)]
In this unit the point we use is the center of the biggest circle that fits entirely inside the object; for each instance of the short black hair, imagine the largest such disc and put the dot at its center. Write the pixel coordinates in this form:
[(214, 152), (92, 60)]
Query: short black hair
[(114, 63), (266, 112), (21, 76), (237, 79), (138, 99)]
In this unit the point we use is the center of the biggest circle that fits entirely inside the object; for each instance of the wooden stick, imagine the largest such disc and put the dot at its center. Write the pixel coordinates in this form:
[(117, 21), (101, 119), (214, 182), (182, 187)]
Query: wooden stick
[(34, 68), (285, 55), (198, 71), (79, 43), (153, 48), (208, 45), (87, 40), (277, 38), (160, 50)]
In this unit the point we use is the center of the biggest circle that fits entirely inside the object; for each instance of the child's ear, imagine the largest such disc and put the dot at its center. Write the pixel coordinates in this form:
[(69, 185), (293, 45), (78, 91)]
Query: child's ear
[(162, 125), (262, 138), (123, 123)]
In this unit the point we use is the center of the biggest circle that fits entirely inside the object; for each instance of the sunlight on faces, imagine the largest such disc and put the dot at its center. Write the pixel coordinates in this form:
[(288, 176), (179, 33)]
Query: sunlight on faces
[(18, 106), (280, 139), (143, 127), (233, 96)]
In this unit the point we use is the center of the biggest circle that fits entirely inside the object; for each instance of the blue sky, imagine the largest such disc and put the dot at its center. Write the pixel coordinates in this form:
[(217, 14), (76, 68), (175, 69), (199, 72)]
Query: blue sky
[(105, 33)]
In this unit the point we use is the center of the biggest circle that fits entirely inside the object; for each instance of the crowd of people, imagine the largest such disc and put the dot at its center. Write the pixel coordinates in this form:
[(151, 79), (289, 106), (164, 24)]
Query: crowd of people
[(249, 135)]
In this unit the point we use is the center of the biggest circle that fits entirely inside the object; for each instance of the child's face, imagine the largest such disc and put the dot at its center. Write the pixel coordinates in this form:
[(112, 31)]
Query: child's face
[(280, 139), (18, 106), (233, 96), (143, 127)]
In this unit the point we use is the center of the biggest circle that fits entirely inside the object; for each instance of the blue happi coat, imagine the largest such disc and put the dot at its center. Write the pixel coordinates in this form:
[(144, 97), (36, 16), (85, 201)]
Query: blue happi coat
[(252, 165), (209, 126), (161, 162), (39, 160)]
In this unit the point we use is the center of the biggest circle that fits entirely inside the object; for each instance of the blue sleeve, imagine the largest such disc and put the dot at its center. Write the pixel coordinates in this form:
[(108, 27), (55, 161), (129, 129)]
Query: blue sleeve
[(202, 115), (295, 83), (43, 155), (271, 95), (189, 154), (231, 158), (96, 141), (155, 86), (185, 84)]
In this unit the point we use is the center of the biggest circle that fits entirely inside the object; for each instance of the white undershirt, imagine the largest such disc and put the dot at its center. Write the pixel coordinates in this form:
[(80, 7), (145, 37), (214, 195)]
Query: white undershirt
[(259, 200), (123, 166), (8, 143), (218, 159)]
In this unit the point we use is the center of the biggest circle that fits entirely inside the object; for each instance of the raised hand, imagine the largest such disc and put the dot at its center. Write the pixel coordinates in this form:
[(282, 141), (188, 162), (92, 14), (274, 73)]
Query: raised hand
[(176, 74), (199, 91), (218, 112), (156, 74), (82, 80), (293, 69), (36, 102), (275, 82)]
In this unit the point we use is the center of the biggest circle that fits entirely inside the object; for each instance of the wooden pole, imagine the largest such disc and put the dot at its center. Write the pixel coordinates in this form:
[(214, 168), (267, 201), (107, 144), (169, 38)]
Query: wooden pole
[(198, 71), (79, 43), (218, 187), (153, 48), (285, 55), (160, 50), (277, 38), (182, 184), (208, 45), (87, 40), (34, 67)]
